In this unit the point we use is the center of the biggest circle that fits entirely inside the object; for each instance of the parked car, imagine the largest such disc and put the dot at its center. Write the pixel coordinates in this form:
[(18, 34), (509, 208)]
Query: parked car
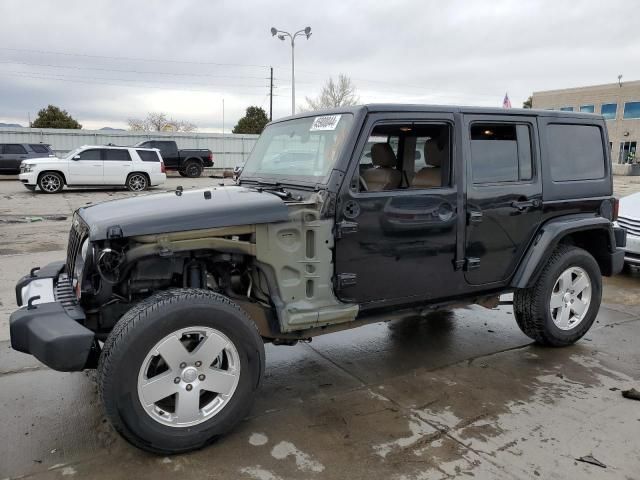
[(172, 296), (134, 168), (12, 154), (189, 162), (629, 219)]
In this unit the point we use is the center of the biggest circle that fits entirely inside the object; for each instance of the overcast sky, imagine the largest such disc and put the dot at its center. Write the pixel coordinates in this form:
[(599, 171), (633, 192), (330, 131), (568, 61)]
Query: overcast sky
[(108, 60)]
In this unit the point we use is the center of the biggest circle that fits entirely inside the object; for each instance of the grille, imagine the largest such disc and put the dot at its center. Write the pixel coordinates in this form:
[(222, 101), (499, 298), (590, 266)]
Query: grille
[(78, 233), (630, 224)]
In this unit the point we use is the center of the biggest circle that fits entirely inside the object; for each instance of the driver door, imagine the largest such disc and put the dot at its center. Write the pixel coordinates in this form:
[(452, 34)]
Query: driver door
[(87, 168)]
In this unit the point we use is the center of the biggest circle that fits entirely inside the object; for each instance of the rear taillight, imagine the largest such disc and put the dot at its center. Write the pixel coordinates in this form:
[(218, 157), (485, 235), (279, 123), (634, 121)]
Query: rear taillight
[(616, 206), (210, 157), (162, 169)]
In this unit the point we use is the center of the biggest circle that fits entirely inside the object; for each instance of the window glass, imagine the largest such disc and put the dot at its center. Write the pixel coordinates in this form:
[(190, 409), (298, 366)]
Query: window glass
[(39, 148), (608, 110), (587, 108), (114, 154), (14, 148), (566, 109), (148, 155), (631, 110), (501, 153), (92, 154), (575, 152)]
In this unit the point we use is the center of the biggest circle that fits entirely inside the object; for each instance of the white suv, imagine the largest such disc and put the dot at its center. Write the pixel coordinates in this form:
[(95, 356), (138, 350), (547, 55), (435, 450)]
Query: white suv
[(134, 168)]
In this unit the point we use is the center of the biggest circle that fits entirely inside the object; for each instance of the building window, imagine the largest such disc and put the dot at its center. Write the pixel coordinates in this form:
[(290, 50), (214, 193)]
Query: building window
[(608, 110), (566, 109), (627, 152), (587, 108), (631, 110)]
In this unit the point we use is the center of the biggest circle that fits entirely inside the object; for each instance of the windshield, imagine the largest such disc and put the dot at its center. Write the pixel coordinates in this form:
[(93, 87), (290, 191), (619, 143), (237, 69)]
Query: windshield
[(302, 149), (73, 153)]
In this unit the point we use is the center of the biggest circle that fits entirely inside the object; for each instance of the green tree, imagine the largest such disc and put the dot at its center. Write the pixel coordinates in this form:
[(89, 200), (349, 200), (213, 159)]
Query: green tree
[(528, 103), (253, 121), (53, 117)]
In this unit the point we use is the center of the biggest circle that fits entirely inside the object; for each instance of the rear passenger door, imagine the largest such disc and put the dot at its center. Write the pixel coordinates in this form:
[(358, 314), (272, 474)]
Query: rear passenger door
[(504, 195), (169, 152), (117, 165)]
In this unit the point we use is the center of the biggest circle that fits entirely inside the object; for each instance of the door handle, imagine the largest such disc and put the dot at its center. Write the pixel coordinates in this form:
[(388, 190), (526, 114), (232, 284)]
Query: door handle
[(523, 205)]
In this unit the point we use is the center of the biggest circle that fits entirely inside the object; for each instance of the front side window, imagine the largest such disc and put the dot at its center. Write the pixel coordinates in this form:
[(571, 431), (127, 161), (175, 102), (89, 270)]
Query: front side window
[(14, 148), (608, 110), (112, 154), (631, 110), (587, 108), (304, 149), (501, 153), (91, 154), (575, 152)]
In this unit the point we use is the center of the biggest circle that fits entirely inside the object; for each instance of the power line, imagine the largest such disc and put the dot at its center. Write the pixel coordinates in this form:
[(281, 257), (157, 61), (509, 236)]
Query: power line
[(135, 59)]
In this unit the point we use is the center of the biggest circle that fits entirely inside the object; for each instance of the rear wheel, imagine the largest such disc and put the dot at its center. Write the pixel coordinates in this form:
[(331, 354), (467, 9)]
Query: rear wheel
[(192, 169), (179, 370), (137, 182), (51, 182), (564, 302)]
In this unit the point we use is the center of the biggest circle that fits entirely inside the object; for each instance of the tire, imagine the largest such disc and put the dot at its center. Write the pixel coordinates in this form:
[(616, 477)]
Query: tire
[(548, 312), (181, 173), (51, 182), (192, 168), (137, 182), (124, 368)]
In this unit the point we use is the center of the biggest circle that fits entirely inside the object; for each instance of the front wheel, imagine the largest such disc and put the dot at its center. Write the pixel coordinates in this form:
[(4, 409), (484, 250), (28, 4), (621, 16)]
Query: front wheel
[(51, 182), (564, 302), (179, 370)]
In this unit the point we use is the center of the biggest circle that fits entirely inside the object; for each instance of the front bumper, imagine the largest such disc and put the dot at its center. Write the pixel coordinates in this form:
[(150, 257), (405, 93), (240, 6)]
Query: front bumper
[(48, 324), (29, 178)]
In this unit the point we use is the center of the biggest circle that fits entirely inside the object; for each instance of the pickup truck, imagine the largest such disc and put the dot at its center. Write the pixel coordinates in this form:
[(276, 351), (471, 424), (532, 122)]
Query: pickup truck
[(188, 162)]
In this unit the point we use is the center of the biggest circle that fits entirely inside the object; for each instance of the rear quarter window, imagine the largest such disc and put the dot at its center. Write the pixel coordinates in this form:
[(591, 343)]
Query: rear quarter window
[(148, 156), (39, 148), (575, 152)]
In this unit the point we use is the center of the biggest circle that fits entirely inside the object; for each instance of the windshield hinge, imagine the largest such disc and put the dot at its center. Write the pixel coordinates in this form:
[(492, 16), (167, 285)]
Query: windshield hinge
[(346, 280)]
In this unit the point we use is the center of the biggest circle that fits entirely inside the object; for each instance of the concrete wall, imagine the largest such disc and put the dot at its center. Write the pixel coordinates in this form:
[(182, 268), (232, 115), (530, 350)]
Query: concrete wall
[(620, 129), (228, 150)]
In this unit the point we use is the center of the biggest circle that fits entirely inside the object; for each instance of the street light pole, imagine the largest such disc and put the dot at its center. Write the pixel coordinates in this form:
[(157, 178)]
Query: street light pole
[(282, 35)]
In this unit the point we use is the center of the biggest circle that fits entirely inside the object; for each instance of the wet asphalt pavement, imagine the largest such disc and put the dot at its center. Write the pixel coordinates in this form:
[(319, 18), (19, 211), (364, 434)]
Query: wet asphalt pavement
[(459, 394)]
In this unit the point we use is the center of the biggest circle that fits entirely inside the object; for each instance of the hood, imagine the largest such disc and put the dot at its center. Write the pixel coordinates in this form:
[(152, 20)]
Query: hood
[(630, 206), (168, 212), (32, 161)]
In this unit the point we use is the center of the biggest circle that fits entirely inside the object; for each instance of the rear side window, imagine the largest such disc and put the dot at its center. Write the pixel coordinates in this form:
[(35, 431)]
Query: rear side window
[(14, 148), (117, 155), (39, 148), (148, 155), (575, 152), (501, 153)]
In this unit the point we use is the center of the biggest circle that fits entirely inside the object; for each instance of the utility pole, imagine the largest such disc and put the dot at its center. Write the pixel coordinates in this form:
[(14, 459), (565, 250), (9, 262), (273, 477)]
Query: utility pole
[(271, 96), (223, 149)]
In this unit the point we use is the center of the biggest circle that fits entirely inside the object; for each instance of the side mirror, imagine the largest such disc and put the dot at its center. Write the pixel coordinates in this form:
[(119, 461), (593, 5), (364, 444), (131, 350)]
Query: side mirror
[(76, 157)]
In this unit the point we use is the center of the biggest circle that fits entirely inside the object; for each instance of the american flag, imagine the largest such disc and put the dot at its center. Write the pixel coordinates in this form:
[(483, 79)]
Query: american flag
[(506, 103)]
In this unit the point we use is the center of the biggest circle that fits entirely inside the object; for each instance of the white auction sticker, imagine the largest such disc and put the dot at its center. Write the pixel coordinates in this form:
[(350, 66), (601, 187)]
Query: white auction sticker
[(326, 122)]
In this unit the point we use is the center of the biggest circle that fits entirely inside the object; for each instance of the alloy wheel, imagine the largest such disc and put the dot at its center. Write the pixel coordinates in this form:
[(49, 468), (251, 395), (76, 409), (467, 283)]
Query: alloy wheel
[(189, 376), (50, 183), (137, 182), (570, 298)]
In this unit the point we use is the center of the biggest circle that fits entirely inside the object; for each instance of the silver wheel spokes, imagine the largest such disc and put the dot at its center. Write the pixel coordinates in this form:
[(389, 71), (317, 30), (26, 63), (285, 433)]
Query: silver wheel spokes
[(50, 183), (570, 298), (189, 376), (137, 183)]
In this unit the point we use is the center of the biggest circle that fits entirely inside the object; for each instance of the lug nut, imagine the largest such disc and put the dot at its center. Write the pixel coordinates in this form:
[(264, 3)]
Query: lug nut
[(176, 380), (183, 365), (201, 377), (189, 387), (198, 363)]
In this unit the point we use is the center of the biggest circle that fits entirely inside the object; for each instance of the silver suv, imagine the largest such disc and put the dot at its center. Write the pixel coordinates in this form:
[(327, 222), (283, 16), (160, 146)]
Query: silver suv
[(12, 155)]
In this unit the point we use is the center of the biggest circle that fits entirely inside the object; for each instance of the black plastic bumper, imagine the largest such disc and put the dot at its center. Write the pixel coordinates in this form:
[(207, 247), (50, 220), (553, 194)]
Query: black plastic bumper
[(51, 331)]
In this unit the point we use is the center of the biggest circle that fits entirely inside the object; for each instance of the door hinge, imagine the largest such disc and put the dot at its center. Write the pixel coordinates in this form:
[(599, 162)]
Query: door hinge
[(474, 217), (345, 227), (471, 263), (459, 264), (346, 280)]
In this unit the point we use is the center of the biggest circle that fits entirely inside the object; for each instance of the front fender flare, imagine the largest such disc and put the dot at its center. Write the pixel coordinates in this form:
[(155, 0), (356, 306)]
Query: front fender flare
[(548, 238)]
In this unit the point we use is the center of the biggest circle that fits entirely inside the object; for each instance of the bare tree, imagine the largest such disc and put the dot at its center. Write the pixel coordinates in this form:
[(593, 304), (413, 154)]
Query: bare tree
[(159, 122), (338, 93)]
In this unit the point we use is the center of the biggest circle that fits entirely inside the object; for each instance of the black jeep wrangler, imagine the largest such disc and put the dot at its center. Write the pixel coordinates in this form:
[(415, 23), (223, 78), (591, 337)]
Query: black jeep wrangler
[(339, 218)]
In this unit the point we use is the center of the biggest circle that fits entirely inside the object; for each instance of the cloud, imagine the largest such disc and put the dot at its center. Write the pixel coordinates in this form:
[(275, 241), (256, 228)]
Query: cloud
[(120, 59)]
